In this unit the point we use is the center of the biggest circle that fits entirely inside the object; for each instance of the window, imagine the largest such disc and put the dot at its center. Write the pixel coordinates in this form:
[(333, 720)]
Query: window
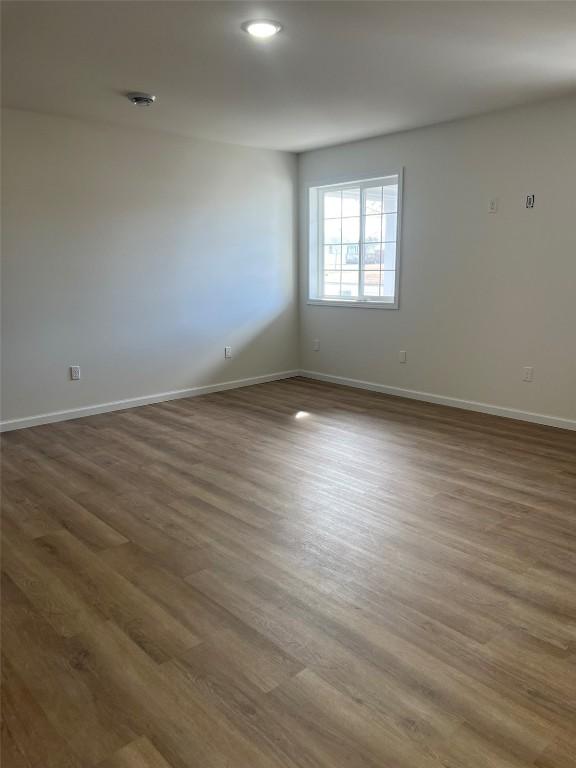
[(354, 243)]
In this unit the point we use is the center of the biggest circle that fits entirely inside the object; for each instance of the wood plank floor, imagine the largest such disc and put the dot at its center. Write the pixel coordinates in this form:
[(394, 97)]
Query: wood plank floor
[(292, 575)]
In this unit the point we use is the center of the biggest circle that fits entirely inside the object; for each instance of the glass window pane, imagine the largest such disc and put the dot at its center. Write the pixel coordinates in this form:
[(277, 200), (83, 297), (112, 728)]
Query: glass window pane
[(332, 256), (331, 276), (351, 202), (332, 231), (332, 289), (372, 255), (389, 227), (372, 225), (350, 283), (387, 283), (350, 230), (388, 256), (332, 205), (350, 256), (372, 278), (357, 230), (390, 198), (373, 200)]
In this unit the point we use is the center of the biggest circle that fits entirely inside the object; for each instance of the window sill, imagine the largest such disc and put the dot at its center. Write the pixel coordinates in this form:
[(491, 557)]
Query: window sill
[(353, 303)]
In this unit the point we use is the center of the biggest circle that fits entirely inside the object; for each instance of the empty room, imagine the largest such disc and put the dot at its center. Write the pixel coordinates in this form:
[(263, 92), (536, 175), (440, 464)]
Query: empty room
[(288, 384)]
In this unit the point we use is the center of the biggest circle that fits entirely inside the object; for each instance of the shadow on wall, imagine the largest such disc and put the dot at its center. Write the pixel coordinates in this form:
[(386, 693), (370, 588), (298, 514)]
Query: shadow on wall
[(260, 345), (140, 273)]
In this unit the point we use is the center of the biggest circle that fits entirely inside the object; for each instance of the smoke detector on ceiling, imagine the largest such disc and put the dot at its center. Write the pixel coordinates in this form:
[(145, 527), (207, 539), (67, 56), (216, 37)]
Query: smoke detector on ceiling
[(141, 99)]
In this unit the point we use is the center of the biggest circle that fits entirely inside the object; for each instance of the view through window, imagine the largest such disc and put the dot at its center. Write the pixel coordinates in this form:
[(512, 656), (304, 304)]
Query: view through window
[(356, 254)]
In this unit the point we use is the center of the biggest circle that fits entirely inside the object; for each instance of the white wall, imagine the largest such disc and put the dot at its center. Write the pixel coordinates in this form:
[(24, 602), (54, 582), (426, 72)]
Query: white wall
[(139, 256), (481, 295)]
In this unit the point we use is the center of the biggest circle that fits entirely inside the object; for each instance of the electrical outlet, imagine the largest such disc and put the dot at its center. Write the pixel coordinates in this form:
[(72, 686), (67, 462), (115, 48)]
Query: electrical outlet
[(402, 356), (75, 373), (316, 345), (493, 205), (528, 373), (227, 353)]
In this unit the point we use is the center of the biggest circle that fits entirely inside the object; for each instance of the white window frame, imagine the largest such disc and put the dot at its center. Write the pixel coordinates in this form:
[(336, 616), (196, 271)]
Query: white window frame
[(315, 250)]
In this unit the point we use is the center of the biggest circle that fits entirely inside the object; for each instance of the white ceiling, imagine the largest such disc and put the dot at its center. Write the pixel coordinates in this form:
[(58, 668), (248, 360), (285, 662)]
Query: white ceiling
[(338, 71)]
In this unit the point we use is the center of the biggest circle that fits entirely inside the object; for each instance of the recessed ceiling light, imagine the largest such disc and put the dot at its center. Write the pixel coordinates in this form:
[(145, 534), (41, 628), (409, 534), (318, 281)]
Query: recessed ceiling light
[(261, 28)]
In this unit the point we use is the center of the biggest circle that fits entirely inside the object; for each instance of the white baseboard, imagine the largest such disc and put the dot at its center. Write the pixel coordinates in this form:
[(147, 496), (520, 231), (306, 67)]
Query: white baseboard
[(134, 402), (453, 402)]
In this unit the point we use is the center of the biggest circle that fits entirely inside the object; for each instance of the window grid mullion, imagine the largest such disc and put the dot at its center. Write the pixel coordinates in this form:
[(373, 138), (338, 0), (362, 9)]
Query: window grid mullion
[(361, 245), (381, 240), (341, 244), (321, 246)]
